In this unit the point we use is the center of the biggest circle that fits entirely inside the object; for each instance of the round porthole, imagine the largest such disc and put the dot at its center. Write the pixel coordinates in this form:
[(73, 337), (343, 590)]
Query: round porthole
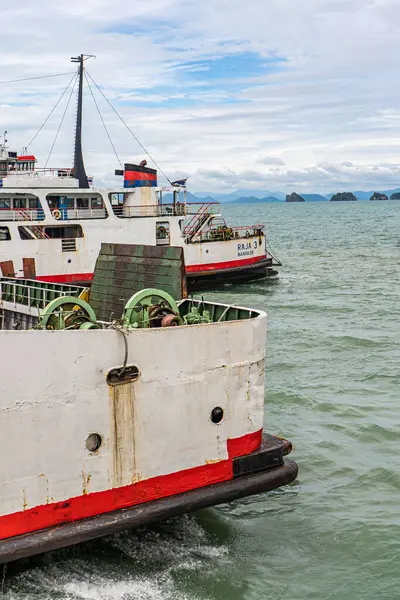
[(217, 414), (93, 442)]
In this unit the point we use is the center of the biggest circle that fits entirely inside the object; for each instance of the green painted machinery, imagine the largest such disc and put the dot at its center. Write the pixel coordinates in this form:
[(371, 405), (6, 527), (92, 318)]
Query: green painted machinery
[(151, 308), (145, 309), (68, 312)]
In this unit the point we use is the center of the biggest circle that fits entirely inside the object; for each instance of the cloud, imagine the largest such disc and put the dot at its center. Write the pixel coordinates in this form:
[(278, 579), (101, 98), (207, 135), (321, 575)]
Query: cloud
[(271, 160), (209, 87), (326, 178)]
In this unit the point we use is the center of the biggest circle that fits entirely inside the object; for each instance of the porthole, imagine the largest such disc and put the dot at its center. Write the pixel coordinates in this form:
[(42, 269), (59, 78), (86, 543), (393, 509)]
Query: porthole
[(93, 442), (217, 414)]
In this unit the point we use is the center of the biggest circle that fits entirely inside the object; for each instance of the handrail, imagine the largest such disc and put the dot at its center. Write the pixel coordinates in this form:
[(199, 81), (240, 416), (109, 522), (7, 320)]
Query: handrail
[(150, 210), (225, 233), (33, 293), (43, 172), (53, 173), (39, 232), (196, 221), (196, 217), (21, 214), (74, 214)]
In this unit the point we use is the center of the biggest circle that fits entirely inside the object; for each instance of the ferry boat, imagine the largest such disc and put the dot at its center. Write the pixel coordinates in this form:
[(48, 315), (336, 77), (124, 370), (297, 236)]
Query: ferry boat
[(103, 427), (54, 221)]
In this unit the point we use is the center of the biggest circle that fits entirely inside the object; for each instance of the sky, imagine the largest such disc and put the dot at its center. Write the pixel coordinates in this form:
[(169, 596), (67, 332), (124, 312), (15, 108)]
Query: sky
[(289, 95)]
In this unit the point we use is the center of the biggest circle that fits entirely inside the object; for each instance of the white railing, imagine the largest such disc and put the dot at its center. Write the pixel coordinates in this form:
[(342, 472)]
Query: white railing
[(60, 214), (225, 233), (151, 210), (73, 214), (21, 214), (33, 293), (193, 208), (161, 210), (42, 173)]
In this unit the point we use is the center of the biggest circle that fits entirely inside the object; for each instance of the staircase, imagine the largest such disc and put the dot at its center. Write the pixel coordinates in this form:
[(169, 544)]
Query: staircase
[(38, 232), (197, 221)]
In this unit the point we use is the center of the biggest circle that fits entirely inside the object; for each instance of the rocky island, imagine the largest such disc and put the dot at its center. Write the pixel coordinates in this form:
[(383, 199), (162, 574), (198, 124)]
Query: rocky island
[(395, 196), (294, 198), (378, 196), (343, 197)]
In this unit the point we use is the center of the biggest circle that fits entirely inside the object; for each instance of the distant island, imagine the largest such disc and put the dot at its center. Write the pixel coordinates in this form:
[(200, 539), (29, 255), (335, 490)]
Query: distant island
[(378, 196), (294, 198), (343, 197), (262, 196)]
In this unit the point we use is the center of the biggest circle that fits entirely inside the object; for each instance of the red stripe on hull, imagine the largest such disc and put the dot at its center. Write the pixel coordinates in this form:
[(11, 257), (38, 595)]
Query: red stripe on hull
[(220, 266), (66, 278), (230, 264), (90, 505)]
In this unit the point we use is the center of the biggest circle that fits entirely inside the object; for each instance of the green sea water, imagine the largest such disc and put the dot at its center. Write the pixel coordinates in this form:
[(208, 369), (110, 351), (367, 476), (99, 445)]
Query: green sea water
[(333, 388)]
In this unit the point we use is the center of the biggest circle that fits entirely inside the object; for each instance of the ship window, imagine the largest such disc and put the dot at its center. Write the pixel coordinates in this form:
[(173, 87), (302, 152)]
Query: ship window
[(116, 198), (25, 235), (19, 202), (75, 208), (54, 232), (82, 202), (93, 442), (96, 203), (70, 231), (5, 203), (4, 234), (217, 414), (162, 233), (53, 202), (34, 203)]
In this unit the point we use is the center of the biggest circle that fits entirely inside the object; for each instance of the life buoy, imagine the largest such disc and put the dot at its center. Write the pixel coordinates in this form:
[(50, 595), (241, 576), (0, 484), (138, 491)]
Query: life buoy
[(56, 214)]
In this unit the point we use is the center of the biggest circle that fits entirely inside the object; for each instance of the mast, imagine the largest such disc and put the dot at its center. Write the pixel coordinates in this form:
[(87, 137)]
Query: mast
[(79, 167)]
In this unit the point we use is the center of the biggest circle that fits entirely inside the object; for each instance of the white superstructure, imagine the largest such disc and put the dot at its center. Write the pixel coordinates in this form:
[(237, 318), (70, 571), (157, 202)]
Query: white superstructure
[(48, 222)]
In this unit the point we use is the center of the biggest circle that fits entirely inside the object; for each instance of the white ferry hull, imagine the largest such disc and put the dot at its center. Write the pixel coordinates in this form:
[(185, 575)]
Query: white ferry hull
[(77, 532), (204, 261), (160, 454), (62, 245)]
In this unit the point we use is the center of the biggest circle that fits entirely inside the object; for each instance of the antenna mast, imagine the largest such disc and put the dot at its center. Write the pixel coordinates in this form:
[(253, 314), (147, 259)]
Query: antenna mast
[(79, 167)]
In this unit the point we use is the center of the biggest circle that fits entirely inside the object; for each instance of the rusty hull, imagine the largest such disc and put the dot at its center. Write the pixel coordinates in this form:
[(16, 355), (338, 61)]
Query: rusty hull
[(262, 471)]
